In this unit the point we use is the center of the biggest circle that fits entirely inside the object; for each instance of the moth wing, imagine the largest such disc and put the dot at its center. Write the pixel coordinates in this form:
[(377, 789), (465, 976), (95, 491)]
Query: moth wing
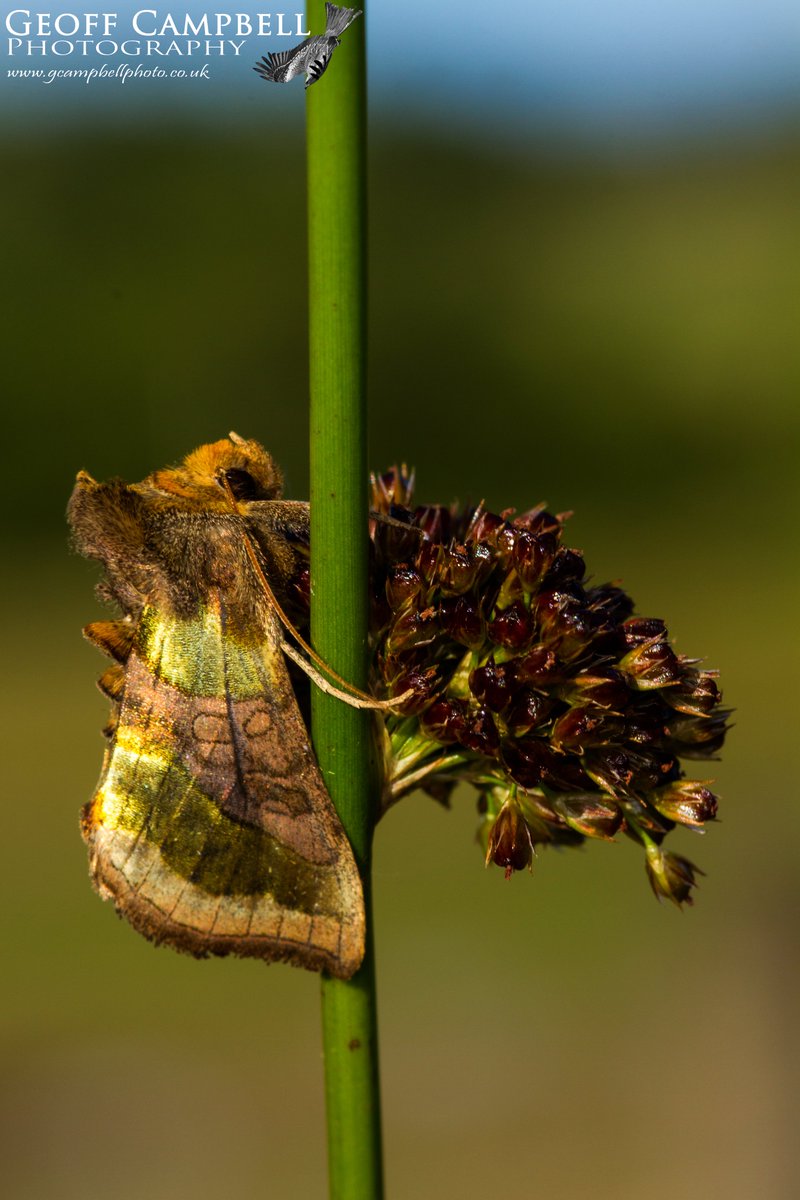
[(211, 827)]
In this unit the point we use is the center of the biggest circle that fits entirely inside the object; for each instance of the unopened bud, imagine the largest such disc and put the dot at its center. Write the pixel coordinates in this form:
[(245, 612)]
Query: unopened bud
[(538, 667), (583, 726), (592, 815), (639, 630), (403, 585), (434, 520), (421, 682), (489, 684), (394, 488), (480, 733), (696, 694), (698, 737), (510, 845), (653, 664), (462, 620), (562, 624), (445, 720), (687, 801), (538, 520), (567, 567), (528, 710), (532, 557), (609, 605), (512, 627), (670, 875)]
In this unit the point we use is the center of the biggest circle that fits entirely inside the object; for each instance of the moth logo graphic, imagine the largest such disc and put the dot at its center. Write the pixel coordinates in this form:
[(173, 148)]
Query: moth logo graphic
[(312, 56)]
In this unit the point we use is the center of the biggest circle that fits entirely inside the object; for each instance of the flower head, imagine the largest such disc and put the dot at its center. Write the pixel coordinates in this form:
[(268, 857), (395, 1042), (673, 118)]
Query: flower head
[(568, 712)]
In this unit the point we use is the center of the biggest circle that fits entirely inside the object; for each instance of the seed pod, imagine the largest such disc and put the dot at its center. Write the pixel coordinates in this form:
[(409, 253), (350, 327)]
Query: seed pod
[(697, 693), (391, 542), (671, 876), (403, 585), (538, 520), (567, 567), (591, 814), (434, 520), (490, 686), (422, 682), (538, 667), (429, 561), (462, 567), (697, 737), (411, 629), (484, 527), (510, 844), (529, 710), (445, 720), (639, 630), (609, 605), (392, 489), (462, 621), (603, 688), (480, 733), (582, 726), (652, 664), (562, 624), (532, 557), (686, 801), (512, 628), (610, 769), (527, 759)]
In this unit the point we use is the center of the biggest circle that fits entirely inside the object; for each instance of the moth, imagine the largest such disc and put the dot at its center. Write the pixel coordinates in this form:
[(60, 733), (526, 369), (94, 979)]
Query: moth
[(211, 828)]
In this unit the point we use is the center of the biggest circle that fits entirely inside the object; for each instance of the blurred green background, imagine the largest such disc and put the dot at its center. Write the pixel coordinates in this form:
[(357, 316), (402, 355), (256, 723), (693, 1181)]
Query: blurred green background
[(615, 334)]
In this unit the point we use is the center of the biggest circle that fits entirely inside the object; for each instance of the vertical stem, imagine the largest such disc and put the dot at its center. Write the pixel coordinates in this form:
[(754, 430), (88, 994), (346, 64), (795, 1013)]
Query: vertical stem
[(336, 151)]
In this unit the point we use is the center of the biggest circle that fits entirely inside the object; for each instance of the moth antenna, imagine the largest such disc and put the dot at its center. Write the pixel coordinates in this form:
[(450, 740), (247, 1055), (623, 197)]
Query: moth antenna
[(359, 700), (351, 694), (385, 519)]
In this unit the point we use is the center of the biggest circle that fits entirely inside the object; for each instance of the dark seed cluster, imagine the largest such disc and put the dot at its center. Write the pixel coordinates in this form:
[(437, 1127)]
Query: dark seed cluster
[(567, 712)]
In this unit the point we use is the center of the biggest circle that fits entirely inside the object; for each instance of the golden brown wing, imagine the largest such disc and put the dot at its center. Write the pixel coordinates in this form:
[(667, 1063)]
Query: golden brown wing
[(211, 828)]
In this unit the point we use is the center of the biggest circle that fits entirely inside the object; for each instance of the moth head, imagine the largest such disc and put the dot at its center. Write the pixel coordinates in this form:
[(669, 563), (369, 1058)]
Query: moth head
[(242, 467)]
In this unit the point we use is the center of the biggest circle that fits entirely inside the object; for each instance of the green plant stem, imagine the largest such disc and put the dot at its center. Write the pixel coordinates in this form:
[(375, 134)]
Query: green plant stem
[(336, 153)]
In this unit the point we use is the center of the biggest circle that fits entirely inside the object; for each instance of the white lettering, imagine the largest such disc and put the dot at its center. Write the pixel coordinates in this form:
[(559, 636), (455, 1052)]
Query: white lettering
[(62, 19), (26, 25), (137, 25), (189, 25)]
